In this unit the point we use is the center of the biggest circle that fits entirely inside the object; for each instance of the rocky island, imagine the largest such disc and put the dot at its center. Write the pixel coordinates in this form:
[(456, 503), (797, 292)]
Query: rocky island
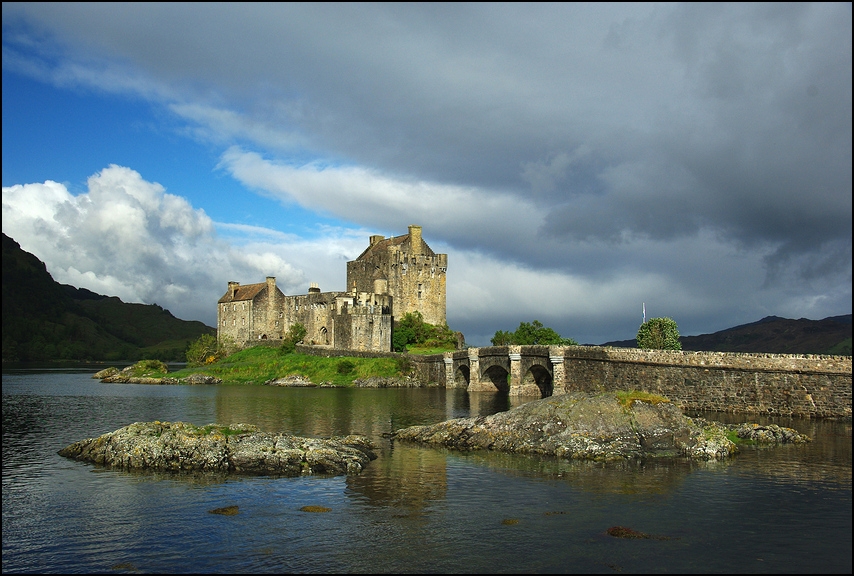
[(238, 448), (607, 426)]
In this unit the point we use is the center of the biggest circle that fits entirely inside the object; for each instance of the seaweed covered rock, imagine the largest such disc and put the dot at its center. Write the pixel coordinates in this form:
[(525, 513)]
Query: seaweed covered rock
[(583, 426), (770, 434), (238, 448)]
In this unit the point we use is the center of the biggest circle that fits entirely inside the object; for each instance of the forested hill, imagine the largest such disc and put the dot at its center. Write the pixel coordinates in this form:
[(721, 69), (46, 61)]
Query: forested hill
[(773, 335), (44, 320)]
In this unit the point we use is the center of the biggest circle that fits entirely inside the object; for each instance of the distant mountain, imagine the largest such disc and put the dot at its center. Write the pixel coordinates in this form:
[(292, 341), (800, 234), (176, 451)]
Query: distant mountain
[(44, 320), (773, 335)]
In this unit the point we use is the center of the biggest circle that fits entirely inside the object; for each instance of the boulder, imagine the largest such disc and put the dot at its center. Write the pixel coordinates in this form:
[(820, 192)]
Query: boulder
[(583, 426), (384, 382), (238, 448), (292, 380)]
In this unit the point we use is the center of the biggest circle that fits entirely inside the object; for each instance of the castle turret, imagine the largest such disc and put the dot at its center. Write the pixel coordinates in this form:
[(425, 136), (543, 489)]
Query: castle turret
[(415, 239)]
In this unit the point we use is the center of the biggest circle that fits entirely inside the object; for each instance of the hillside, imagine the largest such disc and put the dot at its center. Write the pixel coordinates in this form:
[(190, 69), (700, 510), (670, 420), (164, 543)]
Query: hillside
[(44, 320), (773, 335)]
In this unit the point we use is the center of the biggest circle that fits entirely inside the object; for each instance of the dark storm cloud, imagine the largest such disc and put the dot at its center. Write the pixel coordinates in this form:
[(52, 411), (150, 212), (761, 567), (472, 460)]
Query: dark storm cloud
[(624, 134)]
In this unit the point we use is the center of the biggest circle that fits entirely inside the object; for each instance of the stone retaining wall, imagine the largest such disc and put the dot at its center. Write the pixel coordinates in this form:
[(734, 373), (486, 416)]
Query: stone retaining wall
[(784, 384)]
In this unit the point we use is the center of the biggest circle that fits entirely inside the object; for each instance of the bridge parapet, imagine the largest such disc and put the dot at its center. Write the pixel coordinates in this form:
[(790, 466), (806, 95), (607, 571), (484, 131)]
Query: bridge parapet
[(786, 384)]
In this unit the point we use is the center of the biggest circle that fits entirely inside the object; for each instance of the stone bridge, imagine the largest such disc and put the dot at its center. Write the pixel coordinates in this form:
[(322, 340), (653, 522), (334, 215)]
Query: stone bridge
[(808, 385), (537, 372)]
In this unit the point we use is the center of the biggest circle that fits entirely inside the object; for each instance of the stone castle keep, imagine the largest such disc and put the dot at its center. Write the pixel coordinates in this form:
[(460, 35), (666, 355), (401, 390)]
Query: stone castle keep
[(392, 277)]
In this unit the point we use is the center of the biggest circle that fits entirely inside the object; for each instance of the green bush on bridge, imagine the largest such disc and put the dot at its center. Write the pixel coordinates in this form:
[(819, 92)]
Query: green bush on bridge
[(529, 333), (659, 334), (412, 330)]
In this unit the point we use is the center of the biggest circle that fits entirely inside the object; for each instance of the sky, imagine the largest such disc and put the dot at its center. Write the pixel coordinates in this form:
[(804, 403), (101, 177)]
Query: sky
[(583, 165)]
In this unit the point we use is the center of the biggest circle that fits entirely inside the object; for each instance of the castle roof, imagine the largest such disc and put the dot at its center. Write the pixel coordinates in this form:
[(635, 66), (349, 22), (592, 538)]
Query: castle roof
[(385, 244), (247, 292)]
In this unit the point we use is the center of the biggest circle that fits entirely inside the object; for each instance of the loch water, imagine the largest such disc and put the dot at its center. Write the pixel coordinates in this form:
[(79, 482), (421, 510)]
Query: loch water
[(412, 510)]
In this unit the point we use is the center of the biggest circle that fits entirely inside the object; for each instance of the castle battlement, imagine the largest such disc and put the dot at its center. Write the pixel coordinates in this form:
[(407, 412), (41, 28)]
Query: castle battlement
[(392, 277)]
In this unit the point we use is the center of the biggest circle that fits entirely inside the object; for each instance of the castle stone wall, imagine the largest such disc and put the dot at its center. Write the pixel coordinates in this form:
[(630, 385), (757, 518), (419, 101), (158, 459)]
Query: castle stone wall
[(409, 270)]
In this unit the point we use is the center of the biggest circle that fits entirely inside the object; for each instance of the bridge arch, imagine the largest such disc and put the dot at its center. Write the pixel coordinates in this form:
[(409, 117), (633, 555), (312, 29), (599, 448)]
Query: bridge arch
[(462, 376), (537, 381), (516, 370), (498, 376)]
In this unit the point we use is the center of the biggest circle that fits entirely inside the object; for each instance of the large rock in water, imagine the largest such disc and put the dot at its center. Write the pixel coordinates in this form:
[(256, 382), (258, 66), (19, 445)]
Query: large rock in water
[(583, 426), (238, 448)]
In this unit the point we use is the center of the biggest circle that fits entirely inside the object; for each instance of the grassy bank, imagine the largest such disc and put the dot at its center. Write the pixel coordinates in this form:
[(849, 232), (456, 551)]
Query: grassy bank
[(260, 364)]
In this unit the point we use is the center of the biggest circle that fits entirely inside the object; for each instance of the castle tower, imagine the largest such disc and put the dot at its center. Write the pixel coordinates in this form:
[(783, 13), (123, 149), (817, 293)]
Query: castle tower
[(408, 269)]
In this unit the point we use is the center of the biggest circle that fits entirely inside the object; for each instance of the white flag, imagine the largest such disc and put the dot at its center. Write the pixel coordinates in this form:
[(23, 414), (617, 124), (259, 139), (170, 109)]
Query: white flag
[(644, 311)]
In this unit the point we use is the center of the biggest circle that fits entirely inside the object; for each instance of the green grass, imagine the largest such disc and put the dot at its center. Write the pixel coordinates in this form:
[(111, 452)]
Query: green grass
[(841, 349), (427, 350), (627, 398), (736, 439), (261, 363)]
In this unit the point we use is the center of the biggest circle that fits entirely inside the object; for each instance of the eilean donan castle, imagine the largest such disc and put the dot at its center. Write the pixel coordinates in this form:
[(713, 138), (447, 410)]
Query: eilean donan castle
[(392, 277)]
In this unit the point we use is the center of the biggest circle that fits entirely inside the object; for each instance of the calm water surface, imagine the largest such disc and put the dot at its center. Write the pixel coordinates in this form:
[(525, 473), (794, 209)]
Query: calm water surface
[(414, 509)]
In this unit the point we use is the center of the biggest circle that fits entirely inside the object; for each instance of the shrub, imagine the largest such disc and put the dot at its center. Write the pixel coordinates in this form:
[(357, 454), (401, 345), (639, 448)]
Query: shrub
[(199, 351), (413, 330), (659, 334), (404, 365), (346, 366), (531, 333), (207, 350), (295, 335)]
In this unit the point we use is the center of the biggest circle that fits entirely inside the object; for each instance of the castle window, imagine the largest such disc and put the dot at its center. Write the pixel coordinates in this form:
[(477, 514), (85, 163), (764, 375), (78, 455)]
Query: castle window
[(223, 321), (243, 321), (277, 322), (233, 307), (234, 322)]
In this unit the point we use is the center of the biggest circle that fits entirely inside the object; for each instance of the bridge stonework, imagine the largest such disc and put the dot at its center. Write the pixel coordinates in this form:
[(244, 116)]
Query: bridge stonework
[(778, 384)]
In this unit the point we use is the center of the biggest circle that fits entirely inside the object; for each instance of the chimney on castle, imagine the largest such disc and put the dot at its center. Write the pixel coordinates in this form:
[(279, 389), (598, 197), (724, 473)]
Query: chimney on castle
[(232, 288), (271, 283), (415, 238), (313, 288), (377, 238)]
